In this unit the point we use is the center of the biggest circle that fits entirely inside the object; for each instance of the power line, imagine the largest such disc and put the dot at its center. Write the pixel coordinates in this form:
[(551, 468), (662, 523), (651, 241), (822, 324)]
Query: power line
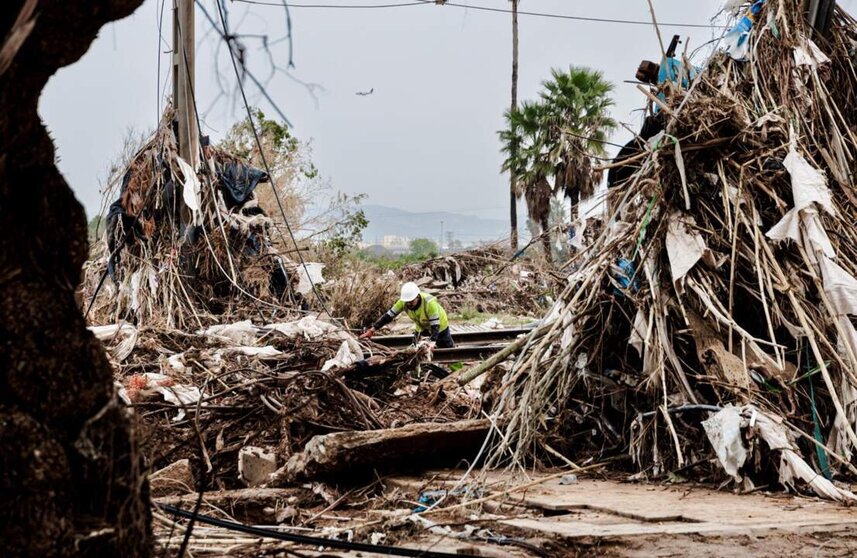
[(336, 6), (574, 18), (486, 9)]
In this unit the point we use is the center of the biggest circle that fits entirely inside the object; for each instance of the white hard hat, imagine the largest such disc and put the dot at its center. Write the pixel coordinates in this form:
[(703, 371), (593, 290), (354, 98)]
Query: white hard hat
[(410, 291)]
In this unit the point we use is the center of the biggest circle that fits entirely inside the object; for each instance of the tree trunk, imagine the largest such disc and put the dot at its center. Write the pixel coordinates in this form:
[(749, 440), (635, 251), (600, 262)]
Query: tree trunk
[(546, 238), (69, 473), (513, 200)]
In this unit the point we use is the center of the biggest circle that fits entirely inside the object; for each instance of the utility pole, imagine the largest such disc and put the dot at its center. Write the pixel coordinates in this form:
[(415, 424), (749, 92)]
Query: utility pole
[(184, 51), (513, 178), (440, 247)]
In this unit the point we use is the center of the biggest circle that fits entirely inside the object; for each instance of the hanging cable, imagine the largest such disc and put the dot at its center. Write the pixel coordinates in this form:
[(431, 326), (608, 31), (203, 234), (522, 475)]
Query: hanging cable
[(226, 37), (213, 179)]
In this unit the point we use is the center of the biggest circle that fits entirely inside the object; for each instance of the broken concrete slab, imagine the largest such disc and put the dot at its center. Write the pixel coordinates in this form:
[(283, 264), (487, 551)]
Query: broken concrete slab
[(414, 446), (607, 509)]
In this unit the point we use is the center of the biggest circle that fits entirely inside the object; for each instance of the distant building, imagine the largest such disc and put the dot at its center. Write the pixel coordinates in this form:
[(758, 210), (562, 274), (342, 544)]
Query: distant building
[(394, 242)]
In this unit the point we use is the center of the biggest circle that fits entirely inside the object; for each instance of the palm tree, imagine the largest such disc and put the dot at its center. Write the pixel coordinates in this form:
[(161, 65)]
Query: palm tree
[(526, 145), (555, 138), (579, 103)]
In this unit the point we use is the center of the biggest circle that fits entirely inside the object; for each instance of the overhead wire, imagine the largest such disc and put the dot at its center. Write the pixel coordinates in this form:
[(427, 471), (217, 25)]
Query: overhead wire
[(336, 6), (484, 9)]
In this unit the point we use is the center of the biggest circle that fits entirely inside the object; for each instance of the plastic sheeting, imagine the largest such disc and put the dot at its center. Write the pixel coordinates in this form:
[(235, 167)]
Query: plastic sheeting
[(737, 40), (808, 54), (685, 246), (238, 182), (190, 189), (179, 395), (310, 327), (724, 430), (309, 276), (345, 356), (239, 333), (803, 224), (124, 332)]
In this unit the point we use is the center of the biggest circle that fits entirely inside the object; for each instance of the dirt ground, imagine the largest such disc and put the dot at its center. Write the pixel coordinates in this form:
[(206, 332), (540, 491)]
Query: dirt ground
[(838, 541), (555, 515)]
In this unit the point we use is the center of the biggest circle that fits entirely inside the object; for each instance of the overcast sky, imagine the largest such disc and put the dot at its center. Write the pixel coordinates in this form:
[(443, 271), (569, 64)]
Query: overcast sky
[(424, 140)]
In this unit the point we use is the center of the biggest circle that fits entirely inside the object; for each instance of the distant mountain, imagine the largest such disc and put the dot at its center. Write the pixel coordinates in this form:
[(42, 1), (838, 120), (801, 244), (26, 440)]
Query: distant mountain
[(468, 229)]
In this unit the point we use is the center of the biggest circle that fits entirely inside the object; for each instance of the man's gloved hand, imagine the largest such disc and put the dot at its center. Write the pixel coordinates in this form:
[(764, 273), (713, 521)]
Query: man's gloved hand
[(367, 334)]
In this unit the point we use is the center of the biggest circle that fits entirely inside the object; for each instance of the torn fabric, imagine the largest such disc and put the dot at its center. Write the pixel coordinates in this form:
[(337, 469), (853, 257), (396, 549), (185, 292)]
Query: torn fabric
[(724, 432), (685, 246), (808, 54), (190, 189)]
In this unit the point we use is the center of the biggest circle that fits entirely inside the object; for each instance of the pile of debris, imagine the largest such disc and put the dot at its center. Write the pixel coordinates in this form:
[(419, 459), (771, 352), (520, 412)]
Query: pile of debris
[(723, 287), (191, 267), (236, 393), (487, 280), (182, 248)]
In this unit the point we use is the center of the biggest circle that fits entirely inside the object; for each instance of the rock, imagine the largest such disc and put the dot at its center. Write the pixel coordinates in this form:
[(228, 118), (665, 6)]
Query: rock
[(175, 478), (255, 465)]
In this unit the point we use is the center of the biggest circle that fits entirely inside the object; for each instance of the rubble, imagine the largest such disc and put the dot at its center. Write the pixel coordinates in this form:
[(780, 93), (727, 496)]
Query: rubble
[(707, 331), (182, 249), (487, 280), (271, 386)]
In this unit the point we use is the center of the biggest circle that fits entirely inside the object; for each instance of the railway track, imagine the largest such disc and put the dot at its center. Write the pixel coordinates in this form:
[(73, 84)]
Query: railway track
[(469, 346), (487, 337)]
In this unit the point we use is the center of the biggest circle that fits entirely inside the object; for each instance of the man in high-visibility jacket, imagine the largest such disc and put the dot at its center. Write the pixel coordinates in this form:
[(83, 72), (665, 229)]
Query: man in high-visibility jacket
[(424, 310)]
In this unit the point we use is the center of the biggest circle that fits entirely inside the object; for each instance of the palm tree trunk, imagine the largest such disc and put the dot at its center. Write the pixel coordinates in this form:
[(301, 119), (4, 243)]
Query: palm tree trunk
[(513, 202), (546, 238), (70, 473)]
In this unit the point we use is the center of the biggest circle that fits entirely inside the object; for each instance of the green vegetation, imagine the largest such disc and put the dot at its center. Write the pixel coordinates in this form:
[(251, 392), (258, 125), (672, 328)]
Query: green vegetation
[(345, 234), (421, 249), (95, 228)]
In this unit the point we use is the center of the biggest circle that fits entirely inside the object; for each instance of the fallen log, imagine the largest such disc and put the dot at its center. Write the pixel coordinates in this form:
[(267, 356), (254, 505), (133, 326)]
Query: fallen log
[(346, 455), (472, 373)]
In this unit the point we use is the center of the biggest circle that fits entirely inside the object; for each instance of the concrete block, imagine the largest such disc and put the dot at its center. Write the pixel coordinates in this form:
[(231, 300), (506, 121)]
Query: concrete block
[(255, 465)]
